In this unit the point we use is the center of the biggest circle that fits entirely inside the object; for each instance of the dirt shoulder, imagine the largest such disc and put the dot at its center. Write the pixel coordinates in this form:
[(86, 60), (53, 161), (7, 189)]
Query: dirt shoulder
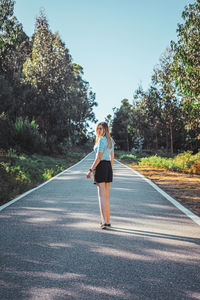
[(185, 188)]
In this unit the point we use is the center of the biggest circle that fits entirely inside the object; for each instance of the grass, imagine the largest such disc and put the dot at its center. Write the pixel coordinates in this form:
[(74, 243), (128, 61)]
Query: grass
[(19, 173), (183, 162)]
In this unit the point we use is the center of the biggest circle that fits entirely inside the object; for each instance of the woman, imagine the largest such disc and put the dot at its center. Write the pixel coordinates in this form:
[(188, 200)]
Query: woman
[(102, 170)]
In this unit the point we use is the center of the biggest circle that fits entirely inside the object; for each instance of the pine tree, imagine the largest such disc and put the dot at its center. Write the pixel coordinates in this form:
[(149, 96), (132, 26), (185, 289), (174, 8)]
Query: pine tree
[(49, 71)]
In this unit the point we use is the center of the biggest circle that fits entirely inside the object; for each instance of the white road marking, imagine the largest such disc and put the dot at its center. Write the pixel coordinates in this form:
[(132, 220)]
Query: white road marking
[(39, 186), (185, 210)]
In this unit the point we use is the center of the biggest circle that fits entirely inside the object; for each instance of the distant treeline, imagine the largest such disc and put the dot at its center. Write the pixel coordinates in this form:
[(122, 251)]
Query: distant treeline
[(45, 104), (167, 115)]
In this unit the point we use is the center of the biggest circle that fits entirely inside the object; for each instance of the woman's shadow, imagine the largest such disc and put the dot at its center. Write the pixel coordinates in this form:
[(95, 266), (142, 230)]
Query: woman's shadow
[(144, 233)]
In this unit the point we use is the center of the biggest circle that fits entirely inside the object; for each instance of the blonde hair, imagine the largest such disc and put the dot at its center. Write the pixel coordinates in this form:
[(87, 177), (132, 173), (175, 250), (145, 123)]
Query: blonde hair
[(106, 134)]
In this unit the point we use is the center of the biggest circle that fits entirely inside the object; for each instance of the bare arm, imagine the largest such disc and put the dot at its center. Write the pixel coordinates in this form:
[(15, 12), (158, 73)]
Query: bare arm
[(112, 158), (97, 160), (95, 163)]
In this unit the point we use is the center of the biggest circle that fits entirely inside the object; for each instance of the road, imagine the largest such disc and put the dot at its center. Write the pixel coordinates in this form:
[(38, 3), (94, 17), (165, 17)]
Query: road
[(52, 247)]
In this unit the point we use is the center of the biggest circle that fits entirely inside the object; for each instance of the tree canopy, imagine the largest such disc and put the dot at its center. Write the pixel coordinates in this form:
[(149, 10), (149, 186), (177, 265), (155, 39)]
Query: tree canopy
[(167, 115), (41, 84)]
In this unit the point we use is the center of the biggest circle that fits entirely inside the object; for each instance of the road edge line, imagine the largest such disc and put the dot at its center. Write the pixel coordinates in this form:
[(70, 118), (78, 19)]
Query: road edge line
[(39, 186), (185, 210)]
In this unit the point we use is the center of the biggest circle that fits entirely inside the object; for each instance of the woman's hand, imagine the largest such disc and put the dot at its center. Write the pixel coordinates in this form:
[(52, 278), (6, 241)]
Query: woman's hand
[(89, 174)]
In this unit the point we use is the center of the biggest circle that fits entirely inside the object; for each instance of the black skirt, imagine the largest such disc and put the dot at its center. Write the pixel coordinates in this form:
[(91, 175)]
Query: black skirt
[(103, 172)]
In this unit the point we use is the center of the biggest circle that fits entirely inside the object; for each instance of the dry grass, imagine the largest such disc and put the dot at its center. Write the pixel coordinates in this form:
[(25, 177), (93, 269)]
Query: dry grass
[(183, 187)]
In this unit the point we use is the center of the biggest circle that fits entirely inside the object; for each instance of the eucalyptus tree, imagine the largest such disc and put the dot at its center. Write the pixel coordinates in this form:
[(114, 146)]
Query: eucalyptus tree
[(121, 126), (108, 120), (81, 103), (170, 102), (14, 46), (10, 30), (147, 115), (186, 64)]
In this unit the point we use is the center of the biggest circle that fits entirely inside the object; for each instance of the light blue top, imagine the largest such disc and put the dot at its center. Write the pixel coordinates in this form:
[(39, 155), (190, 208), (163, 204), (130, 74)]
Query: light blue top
[(102, 146)]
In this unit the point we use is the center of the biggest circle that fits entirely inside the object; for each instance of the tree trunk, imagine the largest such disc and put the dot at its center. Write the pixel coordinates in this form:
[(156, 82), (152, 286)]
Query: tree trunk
[(69, 130), (156, 140), (127, 143), (171, 136), (167, 142)]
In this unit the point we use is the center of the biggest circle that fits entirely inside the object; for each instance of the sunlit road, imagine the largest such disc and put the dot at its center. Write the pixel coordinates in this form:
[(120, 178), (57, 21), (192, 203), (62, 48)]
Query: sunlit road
[(51, 245)]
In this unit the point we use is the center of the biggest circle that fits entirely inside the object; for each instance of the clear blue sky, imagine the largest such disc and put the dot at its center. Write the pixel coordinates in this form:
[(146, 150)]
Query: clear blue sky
[(117, 42)]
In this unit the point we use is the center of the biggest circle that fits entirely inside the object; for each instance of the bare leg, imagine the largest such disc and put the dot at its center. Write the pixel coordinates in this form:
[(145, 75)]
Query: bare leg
[(107, 206), (102, 200)]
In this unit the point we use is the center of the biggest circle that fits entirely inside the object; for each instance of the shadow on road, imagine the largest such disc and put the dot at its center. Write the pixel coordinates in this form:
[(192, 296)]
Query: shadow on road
[(155, 234), (51, 245)]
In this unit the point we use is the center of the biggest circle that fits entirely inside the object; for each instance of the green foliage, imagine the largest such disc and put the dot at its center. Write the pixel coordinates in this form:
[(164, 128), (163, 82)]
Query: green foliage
[(82, 99), (26, 136), (169, 103), (10, 29), (61, 91), (39, 82), (121, 126), (167, 115), (128, 158), (154, 119), (7, 184), (48, 70), (182, 162), (119, 153), (48, 173), (19, 173), (186, 64), (13, 47), (138, 142), (5, 132)]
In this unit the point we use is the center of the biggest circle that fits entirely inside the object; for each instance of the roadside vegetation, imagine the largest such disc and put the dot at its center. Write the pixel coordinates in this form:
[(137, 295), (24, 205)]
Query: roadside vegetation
[(167, 114), (46, 107), (157, 132), (22, 172), (177, 175), (41, 90), (184, 162)]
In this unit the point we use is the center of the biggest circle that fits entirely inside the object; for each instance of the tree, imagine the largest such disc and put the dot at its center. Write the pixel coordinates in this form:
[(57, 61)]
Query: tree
[(39, 84), (81, 100), (14, 46), (186, 65), (168, 96), (147, 116), (121, 126), (49, 71), (108, 120), (10, 30)]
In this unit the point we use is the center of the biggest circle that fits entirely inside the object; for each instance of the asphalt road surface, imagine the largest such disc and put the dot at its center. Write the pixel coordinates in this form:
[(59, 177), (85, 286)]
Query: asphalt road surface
[(52, 247)]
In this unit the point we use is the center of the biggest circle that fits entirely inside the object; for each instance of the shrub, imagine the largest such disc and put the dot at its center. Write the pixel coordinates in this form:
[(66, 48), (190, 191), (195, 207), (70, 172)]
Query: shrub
[(119, 153), (182, 162), (5, 132), (26, 136), (129, 157), (195, 168), (138, 142), (48, 173)]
